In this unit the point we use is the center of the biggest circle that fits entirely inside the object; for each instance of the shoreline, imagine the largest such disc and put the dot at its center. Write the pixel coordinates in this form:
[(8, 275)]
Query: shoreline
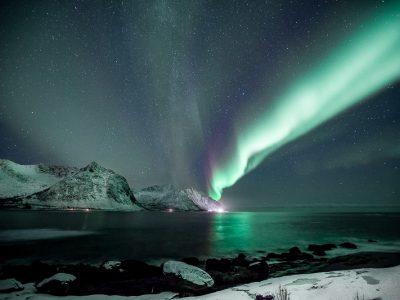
[(136, 278)]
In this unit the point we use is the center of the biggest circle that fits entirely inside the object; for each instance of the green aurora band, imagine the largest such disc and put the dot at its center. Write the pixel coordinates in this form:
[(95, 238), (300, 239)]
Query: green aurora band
[(360, 67)]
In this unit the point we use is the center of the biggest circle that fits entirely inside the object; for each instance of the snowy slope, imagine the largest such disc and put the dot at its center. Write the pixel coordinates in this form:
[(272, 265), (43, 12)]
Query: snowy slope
[(21, 180), (92, 187), (344, 285), (170, 197)]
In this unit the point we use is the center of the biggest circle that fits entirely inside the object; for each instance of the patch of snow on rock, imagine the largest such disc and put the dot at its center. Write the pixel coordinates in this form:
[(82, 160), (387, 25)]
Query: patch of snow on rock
[(61, 277), (187, 272), (10, 285), (111, 264)]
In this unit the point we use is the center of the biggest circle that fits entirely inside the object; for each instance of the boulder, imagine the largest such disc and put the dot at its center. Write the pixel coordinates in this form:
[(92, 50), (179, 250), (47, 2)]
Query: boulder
[(10, 285), (323, 247), (348, 245), (240, 260), (139, 269), (194, 261), (272, 255), (188, 273), (111, 265), (261, 268), (319, 252), (220, 265), (58, 284), (295, 254)]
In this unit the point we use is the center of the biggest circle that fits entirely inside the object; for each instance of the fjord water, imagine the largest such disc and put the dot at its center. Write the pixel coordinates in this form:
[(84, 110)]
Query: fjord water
[(95, 236)]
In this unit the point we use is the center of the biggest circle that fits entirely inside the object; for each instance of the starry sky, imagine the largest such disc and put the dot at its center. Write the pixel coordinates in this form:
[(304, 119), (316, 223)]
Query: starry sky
[(266, 103)]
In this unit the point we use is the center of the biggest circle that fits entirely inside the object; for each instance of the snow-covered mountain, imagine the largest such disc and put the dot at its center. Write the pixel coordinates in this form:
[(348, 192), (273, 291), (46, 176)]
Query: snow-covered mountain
[(22, 180), (93, 187), (169, 197)]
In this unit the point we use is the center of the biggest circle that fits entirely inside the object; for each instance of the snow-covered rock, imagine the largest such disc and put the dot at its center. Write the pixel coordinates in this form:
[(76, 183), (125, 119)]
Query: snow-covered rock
[(171, 198), (381, 283), (59, 284), (10, 285), (60, 277), (21, 180), (111, 264), (189, 273), (92, 187)]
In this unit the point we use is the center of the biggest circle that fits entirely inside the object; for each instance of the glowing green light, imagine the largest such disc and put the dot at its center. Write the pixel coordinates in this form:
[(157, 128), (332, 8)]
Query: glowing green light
[(362, 66)]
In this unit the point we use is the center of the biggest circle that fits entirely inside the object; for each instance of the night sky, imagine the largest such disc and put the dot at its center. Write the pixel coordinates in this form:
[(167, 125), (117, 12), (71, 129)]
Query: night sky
[(267, 102)]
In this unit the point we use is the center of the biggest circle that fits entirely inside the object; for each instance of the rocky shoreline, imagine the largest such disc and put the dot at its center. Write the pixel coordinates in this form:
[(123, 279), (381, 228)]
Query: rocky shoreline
[(187, 277)]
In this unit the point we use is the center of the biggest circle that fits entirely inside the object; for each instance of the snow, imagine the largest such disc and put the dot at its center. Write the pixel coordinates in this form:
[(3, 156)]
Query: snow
[(170, 198), (345, 285), (383, 283), (111, 264), (188, 272), (21, 180), (92, 187), (62, 277), (10, 285)]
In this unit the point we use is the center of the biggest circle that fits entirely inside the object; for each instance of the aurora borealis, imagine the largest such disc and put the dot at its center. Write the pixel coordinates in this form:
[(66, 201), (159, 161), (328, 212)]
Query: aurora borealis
[(304, 94), (368, 61)]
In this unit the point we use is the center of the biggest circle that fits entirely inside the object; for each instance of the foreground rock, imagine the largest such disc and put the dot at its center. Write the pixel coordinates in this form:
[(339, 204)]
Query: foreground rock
[(293, 254), (382, 283), (171, 198), (10, 285), (58, 284), (193, 278), (319, 250), (132, 277), (92, 187), (348, 245)]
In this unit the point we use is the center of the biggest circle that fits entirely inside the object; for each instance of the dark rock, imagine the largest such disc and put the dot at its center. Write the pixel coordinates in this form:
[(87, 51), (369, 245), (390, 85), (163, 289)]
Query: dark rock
[(323, 247), (220, 265), (273, 255), (139, 269), (240, 260), (194, 261), (348, 245), (319, 252), (267, 297), (294, 251), (29, 273), (372, 241), (261, 269), (295, 254)]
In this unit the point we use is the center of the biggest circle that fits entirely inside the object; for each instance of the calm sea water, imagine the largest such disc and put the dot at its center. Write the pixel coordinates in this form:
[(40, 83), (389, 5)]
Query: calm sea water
[(152, 236)]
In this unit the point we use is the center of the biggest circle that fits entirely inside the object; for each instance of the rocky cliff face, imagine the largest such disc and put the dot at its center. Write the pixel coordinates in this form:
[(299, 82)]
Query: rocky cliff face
[(169, 197), (92, 187)]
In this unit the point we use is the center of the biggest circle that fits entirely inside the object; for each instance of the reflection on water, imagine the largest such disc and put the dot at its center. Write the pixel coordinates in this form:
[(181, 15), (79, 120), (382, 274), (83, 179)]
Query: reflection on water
[(95, 236)]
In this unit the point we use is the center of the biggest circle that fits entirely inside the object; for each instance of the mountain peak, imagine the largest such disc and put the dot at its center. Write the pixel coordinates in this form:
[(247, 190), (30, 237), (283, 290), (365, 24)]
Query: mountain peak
[(93, 167)]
